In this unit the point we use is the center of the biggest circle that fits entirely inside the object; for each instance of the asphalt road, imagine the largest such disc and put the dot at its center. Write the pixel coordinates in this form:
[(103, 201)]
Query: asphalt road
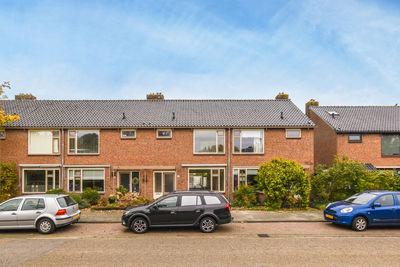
[(310, 244)]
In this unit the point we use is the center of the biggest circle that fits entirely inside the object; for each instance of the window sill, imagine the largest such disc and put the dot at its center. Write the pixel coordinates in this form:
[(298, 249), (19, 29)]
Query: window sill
[(128, 138), (84, 154), (215, 154), (390, 156), (44, 154), (248, 153)]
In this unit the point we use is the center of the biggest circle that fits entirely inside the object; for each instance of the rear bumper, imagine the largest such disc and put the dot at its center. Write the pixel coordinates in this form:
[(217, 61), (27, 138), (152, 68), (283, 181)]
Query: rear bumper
[(226, 220), (66, 220)]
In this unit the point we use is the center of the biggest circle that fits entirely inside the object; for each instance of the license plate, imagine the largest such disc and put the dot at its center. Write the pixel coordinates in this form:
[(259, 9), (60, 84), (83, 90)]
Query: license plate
[(329, 216), (75, 216)]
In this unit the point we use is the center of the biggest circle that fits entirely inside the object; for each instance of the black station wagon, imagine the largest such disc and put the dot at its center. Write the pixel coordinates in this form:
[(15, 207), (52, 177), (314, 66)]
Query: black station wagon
[(189, 208)]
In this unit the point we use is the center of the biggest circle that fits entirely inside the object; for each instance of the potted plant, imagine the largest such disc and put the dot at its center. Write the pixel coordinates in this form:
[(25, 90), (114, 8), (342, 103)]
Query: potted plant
[(112, 199)]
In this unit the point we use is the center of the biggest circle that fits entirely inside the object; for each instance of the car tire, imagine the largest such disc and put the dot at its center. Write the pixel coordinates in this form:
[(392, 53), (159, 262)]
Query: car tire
[(139, 225), (359, 224), (45, 226), (207, 225)]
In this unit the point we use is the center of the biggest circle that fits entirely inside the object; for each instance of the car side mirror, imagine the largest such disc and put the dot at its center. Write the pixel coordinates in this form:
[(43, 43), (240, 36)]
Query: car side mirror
[(377, 205), (154, 207)]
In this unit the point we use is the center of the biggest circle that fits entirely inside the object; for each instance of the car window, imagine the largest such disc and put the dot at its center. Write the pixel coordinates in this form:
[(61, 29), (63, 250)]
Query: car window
[(65, 201), (190, 201), (11, 205), (210, 200), (33, 204), (386, 200), (398, 198), (168, 202)]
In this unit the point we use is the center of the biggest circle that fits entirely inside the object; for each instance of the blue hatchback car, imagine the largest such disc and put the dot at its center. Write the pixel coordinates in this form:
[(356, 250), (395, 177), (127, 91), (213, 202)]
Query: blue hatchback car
[(364, 209)]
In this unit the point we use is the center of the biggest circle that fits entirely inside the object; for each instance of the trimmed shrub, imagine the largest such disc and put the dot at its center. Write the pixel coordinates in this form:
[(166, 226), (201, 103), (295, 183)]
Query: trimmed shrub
[(245, 196), (91, 196), (8, 181), (57, 191), (76, 197), (284, 183), (347, 177), (84, 204)]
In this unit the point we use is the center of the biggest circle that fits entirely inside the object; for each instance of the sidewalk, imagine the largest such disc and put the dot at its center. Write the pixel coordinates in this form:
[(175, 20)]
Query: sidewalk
[(240, 216)]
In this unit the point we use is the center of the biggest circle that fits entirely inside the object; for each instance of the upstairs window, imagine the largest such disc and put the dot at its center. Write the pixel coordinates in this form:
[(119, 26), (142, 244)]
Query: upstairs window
[(83, 142), (391, 144), (128, 134), (248, 141), (209, 141), (43, 142), (164, 134), (354, 138), (293, 133)]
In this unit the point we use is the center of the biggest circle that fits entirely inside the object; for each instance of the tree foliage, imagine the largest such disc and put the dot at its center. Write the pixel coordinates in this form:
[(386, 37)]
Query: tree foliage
[(8, 181), (347, 177), (284, 183), (6, 118)]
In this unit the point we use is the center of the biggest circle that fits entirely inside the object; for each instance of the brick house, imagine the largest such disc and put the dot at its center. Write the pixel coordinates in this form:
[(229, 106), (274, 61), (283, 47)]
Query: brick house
[(151, 146), (369, 134)]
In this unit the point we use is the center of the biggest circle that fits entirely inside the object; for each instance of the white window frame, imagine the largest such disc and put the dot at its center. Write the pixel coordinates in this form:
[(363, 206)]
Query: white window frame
[(162, 181), (240, 141), (216, 142), (52, 141), (238, 170), (45, 181), (164, 137), (291, 137), (76, 142), (211, 185), (81, 170), (2, 134), (127, 130), (130, 180)]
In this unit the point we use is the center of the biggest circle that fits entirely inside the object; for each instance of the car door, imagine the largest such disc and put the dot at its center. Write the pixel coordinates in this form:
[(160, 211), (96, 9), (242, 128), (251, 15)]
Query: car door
[(164, 211), (397, 208), (8, 213), (30, 210), (190, 209), (385, 212)]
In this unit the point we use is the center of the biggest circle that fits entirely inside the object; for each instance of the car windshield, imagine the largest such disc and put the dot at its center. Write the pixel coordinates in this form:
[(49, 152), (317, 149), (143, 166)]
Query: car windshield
[(360, 198)]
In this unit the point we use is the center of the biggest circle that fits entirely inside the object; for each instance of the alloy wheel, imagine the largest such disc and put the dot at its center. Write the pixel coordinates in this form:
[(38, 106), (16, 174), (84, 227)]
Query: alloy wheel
[(207, 225), (361, 224), (139, 226)]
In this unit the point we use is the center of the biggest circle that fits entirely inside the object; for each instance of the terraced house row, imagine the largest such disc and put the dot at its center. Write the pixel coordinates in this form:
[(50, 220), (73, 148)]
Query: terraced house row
[(153, 147)]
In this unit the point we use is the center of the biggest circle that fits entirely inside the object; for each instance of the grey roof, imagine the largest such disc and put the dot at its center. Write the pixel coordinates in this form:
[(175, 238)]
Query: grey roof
[(361, 119), (155, 113)]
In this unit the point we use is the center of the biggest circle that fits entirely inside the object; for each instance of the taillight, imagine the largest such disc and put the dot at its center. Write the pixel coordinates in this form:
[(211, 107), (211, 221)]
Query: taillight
[(61, 212), (227, 207)]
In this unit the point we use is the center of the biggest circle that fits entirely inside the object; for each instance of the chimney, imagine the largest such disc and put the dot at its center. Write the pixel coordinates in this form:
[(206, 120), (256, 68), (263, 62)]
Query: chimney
[(24, 97), (282, 96), (155, 96), (310, 103)]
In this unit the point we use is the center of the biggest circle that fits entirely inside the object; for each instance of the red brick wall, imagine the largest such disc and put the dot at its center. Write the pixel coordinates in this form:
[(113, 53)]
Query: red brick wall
[(146, 150), (368, 151), (325, 141)]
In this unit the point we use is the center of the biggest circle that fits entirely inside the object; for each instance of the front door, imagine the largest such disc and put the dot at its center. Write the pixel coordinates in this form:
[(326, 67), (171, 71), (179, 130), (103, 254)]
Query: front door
[(164, 183), (8, 213), (386, 213), (31, 209)]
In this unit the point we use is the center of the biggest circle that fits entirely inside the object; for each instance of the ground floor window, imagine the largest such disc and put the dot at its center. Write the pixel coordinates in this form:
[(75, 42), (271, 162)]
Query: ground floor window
[(207, 179), (40, 180), (80, 179), (243, 176), (164, 182), (130, 180)]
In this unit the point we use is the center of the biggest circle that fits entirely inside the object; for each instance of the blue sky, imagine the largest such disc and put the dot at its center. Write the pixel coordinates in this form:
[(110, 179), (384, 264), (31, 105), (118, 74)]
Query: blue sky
[(342, 52)]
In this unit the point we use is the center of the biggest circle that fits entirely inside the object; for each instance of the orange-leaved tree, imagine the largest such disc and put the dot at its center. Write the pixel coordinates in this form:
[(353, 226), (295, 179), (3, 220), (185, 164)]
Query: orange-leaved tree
[(6, 118)]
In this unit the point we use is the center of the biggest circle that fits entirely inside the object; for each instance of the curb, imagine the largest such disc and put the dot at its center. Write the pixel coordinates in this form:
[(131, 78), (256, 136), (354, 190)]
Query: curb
[(265, 221)]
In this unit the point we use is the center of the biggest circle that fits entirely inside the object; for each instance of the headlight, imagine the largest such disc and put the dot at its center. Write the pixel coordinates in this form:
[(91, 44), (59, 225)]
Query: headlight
[(346, 210)]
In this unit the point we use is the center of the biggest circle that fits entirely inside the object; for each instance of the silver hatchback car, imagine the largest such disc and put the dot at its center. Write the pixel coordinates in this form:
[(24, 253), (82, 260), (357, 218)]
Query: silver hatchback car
[(42, 212)]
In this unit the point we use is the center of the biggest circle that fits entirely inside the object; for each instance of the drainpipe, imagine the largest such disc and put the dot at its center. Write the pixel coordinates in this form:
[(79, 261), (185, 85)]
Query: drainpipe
[(229, 164), (62, 160)]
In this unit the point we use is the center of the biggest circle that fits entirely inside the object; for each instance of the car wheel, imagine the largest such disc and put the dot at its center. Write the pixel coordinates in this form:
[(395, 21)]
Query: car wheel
[(207, 225), (45, 226), (139, 225), (359, 223)]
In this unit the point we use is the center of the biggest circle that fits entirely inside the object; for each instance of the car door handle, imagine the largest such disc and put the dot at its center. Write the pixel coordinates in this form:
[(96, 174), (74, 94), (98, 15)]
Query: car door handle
[(38, 212), (199, 210), (13, 213), (173, 212)]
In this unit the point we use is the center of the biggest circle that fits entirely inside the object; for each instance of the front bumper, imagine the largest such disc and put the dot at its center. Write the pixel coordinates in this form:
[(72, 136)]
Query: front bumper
[(339, 218)]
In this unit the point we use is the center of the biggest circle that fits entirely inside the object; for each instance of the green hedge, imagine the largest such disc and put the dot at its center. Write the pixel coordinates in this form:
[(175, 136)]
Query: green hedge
[(8, 181)]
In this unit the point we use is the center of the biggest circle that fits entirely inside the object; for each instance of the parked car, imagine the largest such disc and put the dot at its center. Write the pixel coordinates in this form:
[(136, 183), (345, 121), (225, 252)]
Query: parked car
[(42, 212), (364, 209), (186, 208)]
